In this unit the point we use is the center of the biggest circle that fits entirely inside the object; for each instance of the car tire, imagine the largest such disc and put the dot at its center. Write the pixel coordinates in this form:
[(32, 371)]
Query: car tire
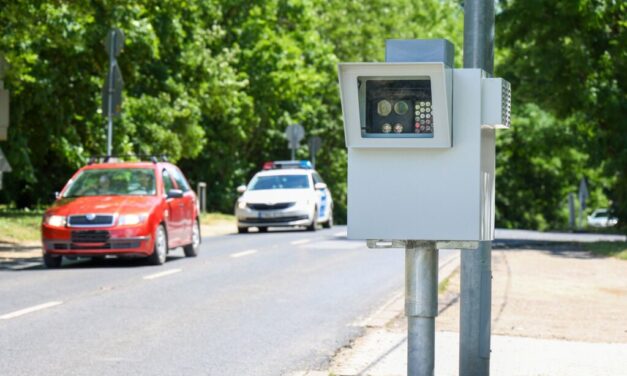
[(191, 250), (52, 262), (160, 250), (263, 229), (242, 230), (98, 259), (314, 221), (329, 222)]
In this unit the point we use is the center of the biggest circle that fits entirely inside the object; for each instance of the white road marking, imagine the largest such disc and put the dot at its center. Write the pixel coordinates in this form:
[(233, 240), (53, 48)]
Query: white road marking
[(244, 253), (301, 241), (25, 311), (341, 233), (162, 274), (25, 265)]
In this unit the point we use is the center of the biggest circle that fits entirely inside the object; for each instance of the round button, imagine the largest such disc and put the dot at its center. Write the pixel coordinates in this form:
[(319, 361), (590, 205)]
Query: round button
[(401, 107), (386, 128), (398, 128), (384, 108)]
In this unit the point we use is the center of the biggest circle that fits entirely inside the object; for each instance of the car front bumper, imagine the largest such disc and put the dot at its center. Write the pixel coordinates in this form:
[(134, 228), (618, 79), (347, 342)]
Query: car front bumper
[(280, 218), (131, 241)]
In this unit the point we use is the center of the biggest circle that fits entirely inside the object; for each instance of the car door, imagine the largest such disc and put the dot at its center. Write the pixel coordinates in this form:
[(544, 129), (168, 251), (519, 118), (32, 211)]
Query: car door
[(174, 220), (189, 204), (323, 198)]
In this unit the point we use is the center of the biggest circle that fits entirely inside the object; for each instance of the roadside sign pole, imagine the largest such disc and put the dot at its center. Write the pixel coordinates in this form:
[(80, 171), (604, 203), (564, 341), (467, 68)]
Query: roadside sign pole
[(112, 90), (421, 305), (110, 97), (294, 134), (476, 267)]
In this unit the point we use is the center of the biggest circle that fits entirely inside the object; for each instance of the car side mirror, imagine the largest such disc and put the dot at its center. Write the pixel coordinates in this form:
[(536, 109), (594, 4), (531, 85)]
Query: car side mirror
[(56, 195), (320, 186), (175, 193), (241, 189)]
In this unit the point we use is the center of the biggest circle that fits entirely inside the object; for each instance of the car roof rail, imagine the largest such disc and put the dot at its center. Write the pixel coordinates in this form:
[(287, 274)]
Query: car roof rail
[(121, 157)]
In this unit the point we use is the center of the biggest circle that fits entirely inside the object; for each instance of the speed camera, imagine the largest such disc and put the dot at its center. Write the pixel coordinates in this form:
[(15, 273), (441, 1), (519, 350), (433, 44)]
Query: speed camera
[(406, 105)]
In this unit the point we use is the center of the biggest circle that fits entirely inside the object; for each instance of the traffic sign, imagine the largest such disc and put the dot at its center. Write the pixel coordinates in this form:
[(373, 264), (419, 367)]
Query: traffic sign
[(114, 42), (113, 85), (294, 134), (4, 163), (3, 66), (583, 193), (4, 112), (314, 143)]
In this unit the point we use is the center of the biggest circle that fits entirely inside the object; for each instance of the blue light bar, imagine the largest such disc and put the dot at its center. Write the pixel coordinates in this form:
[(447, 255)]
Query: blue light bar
[(304, 164)]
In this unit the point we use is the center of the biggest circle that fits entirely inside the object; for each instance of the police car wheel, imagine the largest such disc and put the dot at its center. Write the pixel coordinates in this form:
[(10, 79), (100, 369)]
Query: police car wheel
[(263, 229), (314, 221), (242, 230), (329, 222)]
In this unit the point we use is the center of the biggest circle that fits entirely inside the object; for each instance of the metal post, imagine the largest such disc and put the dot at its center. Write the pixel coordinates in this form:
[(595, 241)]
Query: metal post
[(476, 270), (293, 154), (110, 107), (202, 196), (421, 306)]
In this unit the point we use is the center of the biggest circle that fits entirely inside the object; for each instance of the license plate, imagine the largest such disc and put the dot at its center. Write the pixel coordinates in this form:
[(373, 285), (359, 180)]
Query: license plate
[(269, 215)]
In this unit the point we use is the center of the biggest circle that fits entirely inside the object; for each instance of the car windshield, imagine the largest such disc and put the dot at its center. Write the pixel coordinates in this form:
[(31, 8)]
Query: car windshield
[(279, 182), (113, 182)]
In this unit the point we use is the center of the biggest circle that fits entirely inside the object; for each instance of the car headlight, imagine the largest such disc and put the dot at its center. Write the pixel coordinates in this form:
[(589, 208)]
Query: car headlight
[(55, 220), (131, 219), (241, 204)]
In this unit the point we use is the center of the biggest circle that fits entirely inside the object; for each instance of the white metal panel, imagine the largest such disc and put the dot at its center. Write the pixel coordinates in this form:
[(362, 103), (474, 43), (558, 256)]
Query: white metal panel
[(425, 194)]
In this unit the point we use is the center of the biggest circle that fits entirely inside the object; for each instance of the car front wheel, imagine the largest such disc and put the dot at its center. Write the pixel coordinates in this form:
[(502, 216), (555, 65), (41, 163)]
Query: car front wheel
[(160, 251), (329, 222), (52, 261), (191, 250), (314, 221)]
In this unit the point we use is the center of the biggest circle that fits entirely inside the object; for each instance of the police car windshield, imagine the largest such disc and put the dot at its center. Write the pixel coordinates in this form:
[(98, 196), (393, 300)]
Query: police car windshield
[(279, 182), (113, 182)]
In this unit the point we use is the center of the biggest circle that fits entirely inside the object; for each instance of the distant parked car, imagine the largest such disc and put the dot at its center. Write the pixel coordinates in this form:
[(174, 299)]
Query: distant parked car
[(285, 193), (140, 209), (601, 218)]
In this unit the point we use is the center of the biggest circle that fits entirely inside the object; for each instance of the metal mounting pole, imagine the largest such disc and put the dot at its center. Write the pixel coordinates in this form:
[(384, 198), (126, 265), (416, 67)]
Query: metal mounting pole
[(110, 99), (421, 306), (476, 270)]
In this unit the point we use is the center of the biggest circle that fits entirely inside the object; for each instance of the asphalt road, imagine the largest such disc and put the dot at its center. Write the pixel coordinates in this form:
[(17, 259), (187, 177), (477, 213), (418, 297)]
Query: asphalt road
[(253, 304)]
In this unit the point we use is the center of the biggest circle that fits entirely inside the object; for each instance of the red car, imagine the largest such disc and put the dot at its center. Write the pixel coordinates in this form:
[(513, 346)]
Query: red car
[(139, 209)]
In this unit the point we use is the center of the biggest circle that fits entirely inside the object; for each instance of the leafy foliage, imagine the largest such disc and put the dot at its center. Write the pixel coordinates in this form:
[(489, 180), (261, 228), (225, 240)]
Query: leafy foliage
[(569, 57)]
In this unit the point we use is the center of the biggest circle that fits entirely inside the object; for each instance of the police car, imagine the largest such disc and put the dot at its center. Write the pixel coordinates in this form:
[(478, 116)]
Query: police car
[(285, 193)]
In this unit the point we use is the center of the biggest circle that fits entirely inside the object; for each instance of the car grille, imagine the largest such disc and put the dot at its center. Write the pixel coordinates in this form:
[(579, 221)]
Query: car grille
[(275, 220), (83, 221), (277, 206), (90, 236)]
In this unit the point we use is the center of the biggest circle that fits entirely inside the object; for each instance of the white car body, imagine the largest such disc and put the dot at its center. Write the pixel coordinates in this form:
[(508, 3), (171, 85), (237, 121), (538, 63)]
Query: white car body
[(280, 207), (601, 218)]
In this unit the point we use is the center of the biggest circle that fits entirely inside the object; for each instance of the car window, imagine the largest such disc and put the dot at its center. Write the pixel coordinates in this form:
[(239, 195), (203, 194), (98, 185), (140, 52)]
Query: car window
[(317, 178), (167, 181), (279, 182), (180, 180), (113, 182)]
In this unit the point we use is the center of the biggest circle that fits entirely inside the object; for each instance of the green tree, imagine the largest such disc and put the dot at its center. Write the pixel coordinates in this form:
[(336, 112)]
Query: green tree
[(570, 57)]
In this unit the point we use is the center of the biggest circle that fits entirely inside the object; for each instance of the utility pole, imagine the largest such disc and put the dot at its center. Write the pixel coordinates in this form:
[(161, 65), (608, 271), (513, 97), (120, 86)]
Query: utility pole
[(476, 265)]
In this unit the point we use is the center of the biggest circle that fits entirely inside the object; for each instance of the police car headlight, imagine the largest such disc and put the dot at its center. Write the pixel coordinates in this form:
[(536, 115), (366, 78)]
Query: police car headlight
[(241, 204)]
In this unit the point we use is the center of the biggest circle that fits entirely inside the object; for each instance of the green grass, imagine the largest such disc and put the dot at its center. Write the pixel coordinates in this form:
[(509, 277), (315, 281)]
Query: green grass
[(17, 226), (612, 249), (207, 219)]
